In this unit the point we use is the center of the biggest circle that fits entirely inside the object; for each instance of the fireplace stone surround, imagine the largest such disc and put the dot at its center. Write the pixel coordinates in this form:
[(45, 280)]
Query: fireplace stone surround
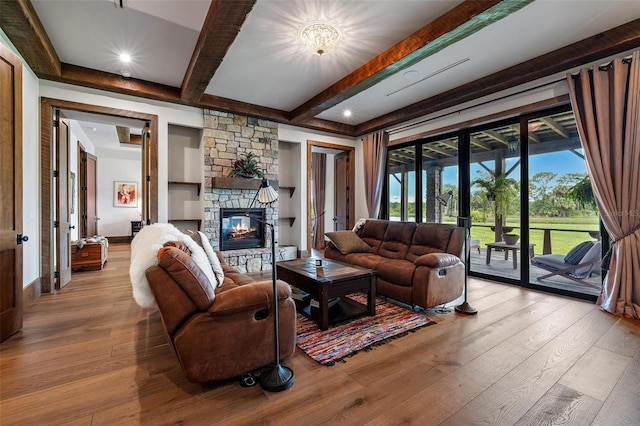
[(226, 137)]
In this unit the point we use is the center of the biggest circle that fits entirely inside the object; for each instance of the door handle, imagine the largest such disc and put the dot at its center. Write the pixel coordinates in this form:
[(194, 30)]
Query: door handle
[(72, 227), (21, 238)]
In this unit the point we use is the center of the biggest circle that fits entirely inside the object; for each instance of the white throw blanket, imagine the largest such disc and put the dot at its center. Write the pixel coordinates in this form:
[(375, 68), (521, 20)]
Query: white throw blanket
[(144, 254)]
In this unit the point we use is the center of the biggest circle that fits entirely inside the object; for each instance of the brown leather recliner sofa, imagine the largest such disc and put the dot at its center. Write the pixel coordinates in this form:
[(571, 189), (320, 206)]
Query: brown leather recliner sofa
[(416, 264), (222, 333)]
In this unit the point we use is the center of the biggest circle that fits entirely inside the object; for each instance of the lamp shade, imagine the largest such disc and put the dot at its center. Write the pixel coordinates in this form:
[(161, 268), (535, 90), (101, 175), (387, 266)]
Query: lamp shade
[(444, 198), (267, 194)]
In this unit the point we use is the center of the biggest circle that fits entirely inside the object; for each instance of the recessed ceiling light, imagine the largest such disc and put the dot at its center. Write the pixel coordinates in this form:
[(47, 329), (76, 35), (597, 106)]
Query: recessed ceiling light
[(125, 57), (410, 74), (347, 113)]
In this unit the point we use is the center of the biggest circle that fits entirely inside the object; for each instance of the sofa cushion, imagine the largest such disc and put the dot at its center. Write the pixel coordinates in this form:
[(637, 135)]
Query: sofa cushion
[(348, 242), (429, 238), (397, 239), (398, 271), (372, 233), (184, 271)]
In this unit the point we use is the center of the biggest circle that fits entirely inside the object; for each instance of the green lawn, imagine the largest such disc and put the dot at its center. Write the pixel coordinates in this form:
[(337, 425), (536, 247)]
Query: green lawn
[(561, 242)]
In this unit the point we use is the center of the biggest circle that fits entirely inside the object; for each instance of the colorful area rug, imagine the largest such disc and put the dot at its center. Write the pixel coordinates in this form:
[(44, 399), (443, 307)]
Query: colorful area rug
[(361, 334)]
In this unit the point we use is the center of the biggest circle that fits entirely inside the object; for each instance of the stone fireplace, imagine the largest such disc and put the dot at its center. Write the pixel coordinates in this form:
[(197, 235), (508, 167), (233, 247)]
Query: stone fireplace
[(226, 137), (241, 229)]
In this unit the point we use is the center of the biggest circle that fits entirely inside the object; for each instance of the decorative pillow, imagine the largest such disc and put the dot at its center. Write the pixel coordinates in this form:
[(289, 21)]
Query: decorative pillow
[(576, 254), (348, 242), (203, 241)]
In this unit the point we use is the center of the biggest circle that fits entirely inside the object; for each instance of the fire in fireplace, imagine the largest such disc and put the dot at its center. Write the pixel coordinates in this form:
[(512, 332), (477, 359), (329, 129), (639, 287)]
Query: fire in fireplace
[(239, 231)]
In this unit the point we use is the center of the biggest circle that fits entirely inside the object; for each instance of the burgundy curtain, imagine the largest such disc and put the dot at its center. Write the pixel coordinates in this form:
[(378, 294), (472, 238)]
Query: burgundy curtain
[(319, 173), (374, 147), (606, 103)]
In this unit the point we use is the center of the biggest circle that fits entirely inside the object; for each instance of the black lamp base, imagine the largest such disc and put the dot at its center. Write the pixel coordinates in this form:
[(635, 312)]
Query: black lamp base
[(465, 308), (277, 378)]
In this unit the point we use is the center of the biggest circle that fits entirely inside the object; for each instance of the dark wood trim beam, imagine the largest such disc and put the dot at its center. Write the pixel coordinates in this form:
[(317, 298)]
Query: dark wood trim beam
[(21, 24), (455, 25), (617, 40), (238, 107), (87, 77), (221, 27)]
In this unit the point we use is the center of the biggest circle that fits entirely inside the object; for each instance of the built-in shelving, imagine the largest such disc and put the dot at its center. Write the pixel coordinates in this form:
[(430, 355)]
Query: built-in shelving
[(185, 177), (291, 189), (198, 185), (198, 221)]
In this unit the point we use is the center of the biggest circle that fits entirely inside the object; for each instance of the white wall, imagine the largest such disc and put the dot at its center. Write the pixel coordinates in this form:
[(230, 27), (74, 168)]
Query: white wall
[(167, 114), (122, 166), (30, 170), (297, 135)]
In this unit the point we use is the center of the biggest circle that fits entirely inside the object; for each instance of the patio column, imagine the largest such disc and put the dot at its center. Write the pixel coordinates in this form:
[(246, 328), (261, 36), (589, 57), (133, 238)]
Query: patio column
[(434, 188)]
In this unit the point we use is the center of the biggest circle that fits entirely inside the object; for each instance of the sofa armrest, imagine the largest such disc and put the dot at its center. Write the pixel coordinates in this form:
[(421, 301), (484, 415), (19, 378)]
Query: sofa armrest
[(437, 260), (247, 297)]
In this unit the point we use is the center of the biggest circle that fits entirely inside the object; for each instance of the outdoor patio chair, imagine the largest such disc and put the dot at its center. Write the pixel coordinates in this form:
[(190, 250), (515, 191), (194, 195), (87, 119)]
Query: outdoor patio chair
[(577, 265)]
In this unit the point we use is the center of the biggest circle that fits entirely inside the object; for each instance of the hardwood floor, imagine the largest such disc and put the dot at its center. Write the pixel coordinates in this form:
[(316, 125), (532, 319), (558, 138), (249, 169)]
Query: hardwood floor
[(89, 355)]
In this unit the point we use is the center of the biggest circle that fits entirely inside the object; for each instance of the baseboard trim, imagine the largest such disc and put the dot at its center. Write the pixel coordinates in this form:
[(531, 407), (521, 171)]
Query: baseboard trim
[(32, 291), (119, 240)]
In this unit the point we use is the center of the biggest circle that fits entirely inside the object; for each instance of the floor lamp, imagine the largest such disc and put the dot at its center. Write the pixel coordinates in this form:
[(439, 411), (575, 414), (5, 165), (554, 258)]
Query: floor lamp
[(465, 308), (277, 377)]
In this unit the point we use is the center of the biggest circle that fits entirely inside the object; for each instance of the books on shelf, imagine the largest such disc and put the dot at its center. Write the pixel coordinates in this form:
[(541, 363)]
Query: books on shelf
[(300, 297), (332, 302)]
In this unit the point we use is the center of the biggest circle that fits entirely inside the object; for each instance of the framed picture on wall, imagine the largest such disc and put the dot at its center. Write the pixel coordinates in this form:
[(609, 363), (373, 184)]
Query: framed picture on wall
[(125, 194)]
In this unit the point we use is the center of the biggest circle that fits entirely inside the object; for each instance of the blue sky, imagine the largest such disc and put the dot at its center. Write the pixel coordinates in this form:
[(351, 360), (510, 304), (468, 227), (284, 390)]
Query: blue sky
[(561, 163)]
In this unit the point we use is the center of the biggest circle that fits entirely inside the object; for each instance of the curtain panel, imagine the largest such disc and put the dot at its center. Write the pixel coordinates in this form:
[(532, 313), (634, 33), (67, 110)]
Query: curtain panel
[(606, 103), (374, 148), (319, 173)]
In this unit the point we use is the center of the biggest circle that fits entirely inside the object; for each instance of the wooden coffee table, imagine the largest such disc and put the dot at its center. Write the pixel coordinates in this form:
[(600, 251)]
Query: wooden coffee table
[(330, 280)]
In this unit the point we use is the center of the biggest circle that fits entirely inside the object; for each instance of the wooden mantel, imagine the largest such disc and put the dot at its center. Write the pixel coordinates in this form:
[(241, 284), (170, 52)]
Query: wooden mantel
[(226, 182)]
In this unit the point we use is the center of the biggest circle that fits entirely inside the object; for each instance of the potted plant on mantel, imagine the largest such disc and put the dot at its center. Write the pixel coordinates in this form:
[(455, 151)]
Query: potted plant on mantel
[(247, 167), (502, 193)]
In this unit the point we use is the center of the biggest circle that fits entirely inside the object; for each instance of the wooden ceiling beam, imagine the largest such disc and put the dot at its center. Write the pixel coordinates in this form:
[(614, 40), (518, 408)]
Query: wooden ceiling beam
[(433, 148), (555, 126), (455, 25), (495, 136), (87, 77), (609, 43), (479, 143), (20, 22), (220, 29)]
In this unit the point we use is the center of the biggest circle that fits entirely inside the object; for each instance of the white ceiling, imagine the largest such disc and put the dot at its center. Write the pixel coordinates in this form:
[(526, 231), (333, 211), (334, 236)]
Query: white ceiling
[(267, 66)]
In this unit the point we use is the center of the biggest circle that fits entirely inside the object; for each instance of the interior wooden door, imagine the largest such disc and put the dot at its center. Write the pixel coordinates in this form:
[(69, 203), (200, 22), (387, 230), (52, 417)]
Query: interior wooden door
[(91, 192), (62, 222), (10, 193), (341, 191)]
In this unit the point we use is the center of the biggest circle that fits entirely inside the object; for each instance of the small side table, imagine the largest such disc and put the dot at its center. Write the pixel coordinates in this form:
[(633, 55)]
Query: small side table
[(136, 226), (507, 248)]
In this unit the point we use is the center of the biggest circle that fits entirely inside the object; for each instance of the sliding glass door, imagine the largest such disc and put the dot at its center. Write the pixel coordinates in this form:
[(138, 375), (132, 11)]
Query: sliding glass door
[(562, 212), (525, 189), (495, 201)]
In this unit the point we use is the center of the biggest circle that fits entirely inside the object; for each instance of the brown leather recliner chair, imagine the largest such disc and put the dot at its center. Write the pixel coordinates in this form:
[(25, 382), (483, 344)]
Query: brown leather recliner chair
[(219, 334)]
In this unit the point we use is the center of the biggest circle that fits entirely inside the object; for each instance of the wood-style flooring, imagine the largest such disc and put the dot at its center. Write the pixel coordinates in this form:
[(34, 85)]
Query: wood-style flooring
[(88, 355)]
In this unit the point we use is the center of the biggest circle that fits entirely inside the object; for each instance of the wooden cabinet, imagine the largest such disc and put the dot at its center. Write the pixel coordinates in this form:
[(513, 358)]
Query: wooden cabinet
[(92, 255)]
